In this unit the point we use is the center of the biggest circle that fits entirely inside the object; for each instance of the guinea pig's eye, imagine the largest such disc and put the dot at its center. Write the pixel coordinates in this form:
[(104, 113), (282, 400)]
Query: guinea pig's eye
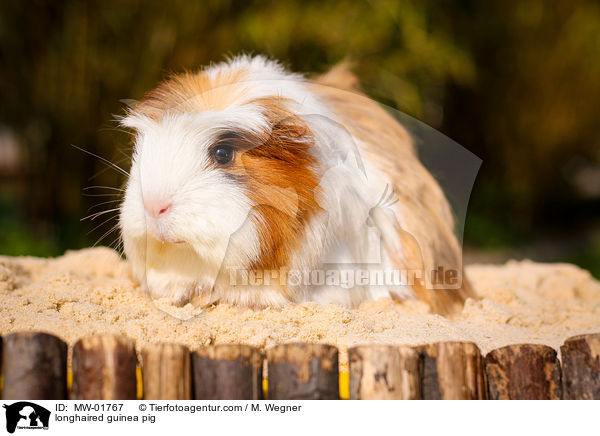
[(223, 154)]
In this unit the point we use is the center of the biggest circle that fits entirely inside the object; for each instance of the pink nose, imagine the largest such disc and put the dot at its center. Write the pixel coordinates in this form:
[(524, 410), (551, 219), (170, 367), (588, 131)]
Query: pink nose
[(156, 208)]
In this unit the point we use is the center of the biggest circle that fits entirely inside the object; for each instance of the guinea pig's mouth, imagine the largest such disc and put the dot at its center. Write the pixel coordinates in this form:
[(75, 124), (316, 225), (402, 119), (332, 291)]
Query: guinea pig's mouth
[(167, 240), (164, 238)]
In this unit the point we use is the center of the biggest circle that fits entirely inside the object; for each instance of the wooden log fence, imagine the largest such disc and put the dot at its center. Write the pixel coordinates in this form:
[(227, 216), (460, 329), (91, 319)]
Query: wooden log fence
[(106, 367)]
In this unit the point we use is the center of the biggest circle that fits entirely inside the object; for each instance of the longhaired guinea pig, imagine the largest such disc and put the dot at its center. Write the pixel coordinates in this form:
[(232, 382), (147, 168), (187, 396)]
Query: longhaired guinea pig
[(255, 186)]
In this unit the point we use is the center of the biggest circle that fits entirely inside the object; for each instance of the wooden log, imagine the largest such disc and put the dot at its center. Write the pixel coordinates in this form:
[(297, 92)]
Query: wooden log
[(303, 372), (523, 372), (104, 368), (581, 367), (384, 372), (35, 367), (453, 371), (430, 383), (166, 372), (227, 372)]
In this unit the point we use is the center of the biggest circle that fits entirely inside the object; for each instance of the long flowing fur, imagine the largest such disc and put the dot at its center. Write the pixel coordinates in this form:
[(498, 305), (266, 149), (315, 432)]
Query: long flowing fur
[(323, 179)]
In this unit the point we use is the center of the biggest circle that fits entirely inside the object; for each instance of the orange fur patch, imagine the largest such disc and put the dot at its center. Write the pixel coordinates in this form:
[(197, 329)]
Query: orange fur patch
[(193, 92), (282, 182)]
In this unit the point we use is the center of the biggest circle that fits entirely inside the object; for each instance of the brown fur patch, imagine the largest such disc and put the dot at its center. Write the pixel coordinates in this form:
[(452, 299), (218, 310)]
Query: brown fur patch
[(282, 182)]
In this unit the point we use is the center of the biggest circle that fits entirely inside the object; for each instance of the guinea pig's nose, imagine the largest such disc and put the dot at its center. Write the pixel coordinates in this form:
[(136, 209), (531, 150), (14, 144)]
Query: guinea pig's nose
[(156, 208)]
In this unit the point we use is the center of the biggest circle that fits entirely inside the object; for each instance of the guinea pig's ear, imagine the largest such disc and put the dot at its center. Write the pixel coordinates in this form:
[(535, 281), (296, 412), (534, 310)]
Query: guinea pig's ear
[(293, 128)]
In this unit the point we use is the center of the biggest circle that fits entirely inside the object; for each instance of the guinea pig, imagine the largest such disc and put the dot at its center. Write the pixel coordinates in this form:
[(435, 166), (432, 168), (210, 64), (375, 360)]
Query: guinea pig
[(255, 186)]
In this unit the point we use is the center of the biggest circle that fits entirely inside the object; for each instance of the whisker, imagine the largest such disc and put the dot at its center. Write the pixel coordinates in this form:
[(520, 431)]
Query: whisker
[(104, 202), (115, 129), (116, 244), (102, 195), (106, 161), (97, 214), (105, 169), (116, 227), (102, 223), (103, 187), (125, 155), (120, 247)]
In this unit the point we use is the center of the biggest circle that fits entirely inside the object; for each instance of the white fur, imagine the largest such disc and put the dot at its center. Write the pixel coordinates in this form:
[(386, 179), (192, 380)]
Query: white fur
[(208, 229)]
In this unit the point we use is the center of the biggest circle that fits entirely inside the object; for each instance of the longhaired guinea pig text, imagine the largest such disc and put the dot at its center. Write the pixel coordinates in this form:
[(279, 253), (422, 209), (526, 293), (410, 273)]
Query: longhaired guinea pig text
[(246, 170)]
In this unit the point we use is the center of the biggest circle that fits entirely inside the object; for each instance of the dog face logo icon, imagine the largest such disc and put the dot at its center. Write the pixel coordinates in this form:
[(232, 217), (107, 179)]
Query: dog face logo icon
[(26, 415)]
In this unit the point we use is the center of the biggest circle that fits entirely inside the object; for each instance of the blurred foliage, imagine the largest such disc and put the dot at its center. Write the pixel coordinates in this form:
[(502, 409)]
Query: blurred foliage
[(588, 257), (16, 237), (517, 83)]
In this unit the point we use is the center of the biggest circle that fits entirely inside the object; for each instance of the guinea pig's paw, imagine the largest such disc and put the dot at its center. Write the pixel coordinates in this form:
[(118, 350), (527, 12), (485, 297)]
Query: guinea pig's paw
[(173, 287), (180, 297), (202, 299)]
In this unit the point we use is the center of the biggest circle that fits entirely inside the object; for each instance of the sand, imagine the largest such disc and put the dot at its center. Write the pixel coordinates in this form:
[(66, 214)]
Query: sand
[(90, 291)]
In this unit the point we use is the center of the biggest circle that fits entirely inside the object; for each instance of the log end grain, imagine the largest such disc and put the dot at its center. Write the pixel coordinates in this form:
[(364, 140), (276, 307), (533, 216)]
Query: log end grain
[(104, 368), (523, 372), (384, 372), (166, 372), (227, 372), (581, 367), (303, 371), (35, 367)]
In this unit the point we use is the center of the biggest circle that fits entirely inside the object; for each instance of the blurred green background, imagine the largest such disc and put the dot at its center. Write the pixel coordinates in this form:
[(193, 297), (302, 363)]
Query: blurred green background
[(517, 83)]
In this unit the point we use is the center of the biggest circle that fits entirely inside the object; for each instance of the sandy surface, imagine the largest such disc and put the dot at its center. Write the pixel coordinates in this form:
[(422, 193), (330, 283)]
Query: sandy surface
[(90, 291)]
